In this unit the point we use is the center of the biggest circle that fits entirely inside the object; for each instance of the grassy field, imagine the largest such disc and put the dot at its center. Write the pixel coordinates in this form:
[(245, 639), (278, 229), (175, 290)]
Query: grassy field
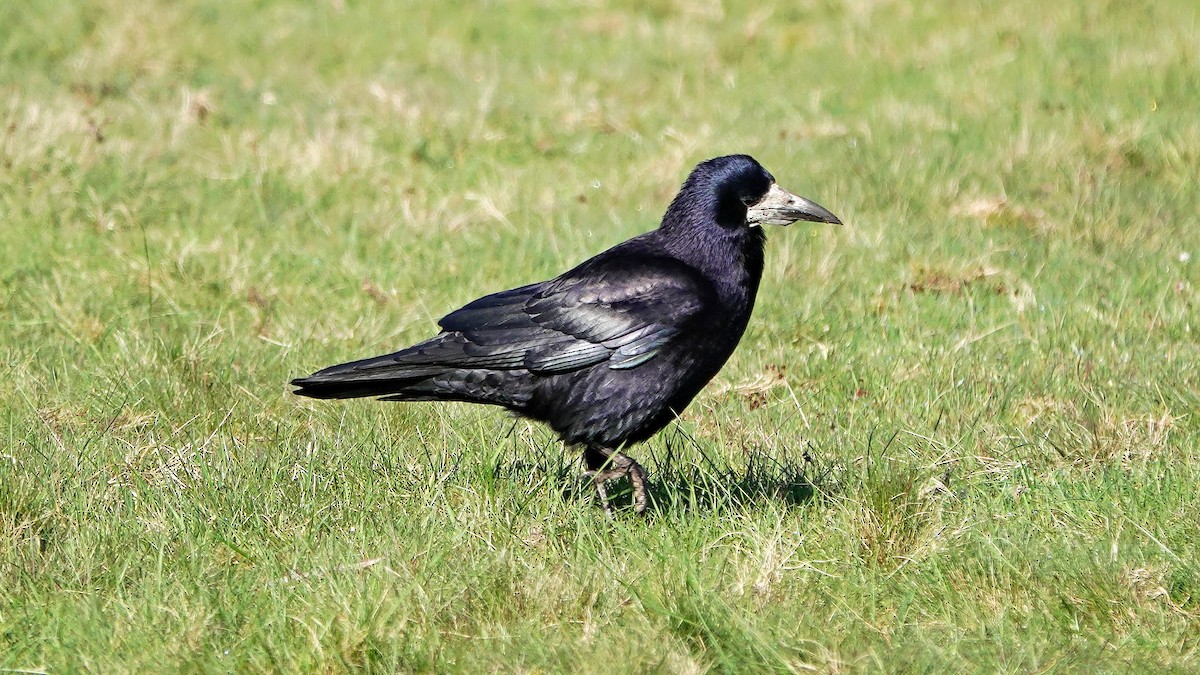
[(960, 434)]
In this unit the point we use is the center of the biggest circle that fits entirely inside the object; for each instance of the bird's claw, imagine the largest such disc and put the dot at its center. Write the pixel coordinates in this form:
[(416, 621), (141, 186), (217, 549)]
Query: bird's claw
[(620, 465)]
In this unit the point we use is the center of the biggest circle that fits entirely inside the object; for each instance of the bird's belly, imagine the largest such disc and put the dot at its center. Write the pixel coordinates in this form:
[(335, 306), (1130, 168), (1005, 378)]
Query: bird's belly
[(609, 407)]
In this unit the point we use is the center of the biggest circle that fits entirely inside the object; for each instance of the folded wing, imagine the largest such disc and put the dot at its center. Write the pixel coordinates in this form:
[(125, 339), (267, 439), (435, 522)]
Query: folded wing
[(618, 315)]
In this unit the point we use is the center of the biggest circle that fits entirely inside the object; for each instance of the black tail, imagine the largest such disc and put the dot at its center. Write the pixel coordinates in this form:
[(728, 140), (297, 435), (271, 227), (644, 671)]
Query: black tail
[(317, 386), (377, 376), (385, 377)]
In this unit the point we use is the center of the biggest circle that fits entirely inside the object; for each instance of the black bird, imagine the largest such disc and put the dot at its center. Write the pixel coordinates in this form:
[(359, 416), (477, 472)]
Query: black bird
[(611, 351)]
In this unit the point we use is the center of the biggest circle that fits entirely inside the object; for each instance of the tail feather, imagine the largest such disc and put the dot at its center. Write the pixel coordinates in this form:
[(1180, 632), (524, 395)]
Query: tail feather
[(376, 376), (418, 383), (337, 387)]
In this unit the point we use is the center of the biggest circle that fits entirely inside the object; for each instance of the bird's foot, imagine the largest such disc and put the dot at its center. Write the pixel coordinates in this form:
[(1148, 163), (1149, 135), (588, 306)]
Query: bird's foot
[(637, 478), (620, 465), (598, 479)]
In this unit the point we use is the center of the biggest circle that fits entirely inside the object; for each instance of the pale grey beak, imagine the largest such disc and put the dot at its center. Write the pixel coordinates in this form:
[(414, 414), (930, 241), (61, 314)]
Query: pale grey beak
[(780, 207)]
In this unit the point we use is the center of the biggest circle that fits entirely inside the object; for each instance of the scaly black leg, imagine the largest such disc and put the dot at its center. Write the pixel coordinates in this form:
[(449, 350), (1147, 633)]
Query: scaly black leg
[(605, 464)]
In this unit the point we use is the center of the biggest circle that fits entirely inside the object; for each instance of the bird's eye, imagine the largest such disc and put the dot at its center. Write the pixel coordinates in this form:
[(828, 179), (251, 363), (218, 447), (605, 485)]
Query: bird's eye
[(749, 201)]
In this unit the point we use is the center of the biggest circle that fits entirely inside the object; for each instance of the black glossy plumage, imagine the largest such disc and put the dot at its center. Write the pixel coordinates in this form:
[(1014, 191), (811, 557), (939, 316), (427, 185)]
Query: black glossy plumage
[(611, 351)]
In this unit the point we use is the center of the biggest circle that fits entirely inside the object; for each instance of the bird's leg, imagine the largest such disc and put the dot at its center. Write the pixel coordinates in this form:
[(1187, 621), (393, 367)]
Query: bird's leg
[(604, 464), (637, 478), (597, 470), (602, 494)]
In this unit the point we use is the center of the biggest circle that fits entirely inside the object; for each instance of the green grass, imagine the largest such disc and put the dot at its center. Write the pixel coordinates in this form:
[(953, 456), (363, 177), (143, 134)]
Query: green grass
[(960, 434)]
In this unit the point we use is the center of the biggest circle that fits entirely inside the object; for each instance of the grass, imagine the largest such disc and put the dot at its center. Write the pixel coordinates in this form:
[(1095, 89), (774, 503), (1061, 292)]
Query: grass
[(960, 434)]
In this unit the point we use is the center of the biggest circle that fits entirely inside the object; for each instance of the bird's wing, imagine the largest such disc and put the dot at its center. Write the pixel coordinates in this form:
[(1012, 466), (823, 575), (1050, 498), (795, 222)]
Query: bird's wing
[(622, 312)]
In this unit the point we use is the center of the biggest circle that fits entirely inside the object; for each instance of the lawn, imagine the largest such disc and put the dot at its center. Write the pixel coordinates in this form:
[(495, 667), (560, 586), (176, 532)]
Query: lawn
[(960, 434)]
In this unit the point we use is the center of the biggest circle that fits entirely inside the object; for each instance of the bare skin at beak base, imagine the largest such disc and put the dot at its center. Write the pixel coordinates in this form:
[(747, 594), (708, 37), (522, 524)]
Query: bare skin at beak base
[(780, 207)]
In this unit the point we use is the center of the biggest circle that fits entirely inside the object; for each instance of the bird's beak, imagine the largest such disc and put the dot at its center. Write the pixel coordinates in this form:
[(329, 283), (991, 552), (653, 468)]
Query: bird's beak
[(780, 207)]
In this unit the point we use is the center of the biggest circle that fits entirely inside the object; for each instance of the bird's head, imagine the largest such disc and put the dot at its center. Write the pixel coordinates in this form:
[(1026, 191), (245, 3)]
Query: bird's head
[(738, 192)]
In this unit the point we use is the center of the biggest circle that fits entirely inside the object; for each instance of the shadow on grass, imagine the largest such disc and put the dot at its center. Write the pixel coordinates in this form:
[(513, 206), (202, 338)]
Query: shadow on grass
[(683, 477)]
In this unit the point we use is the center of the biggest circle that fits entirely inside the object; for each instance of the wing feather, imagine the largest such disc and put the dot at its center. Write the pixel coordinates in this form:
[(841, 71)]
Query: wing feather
[(623, 312)]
